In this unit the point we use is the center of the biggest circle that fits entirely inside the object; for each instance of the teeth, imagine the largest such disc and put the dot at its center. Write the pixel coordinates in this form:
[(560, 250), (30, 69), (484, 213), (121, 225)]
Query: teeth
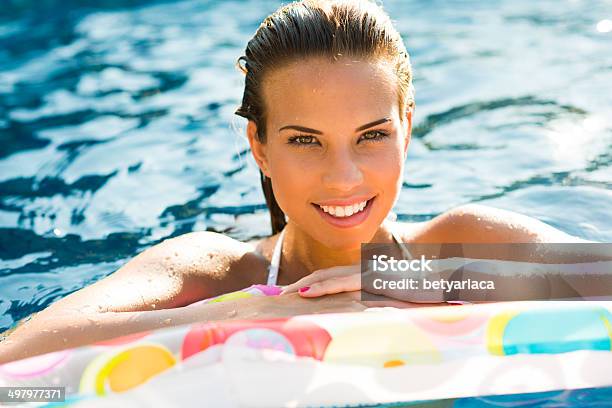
[(345, 211)]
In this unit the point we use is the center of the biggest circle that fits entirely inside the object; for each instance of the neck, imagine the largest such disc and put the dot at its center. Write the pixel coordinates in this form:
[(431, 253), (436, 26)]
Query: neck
[(303, 255)]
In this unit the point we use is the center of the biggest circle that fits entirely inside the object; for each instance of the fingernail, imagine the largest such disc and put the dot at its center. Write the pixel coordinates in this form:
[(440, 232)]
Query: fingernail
[(304, 289)]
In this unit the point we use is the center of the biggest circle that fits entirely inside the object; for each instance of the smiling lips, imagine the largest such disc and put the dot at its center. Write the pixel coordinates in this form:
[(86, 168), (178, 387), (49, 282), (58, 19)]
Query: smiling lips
[(345, 213)]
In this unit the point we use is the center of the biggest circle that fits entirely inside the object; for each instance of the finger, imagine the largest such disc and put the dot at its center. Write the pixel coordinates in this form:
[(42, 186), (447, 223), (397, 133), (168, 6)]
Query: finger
[(316, 276), (305, 282), (334, 285)]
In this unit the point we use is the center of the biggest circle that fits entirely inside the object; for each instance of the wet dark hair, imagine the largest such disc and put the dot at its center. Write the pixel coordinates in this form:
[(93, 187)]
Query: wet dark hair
[(318, 28)]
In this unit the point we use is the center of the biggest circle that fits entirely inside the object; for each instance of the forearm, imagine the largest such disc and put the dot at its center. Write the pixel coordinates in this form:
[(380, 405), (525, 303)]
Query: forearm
[(536, 281), (487, 280), (47, 332)]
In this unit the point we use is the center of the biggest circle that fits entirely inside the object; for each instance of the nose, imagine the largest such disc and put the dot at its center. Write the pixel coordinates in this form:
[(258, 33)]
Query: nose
[(342, 172)]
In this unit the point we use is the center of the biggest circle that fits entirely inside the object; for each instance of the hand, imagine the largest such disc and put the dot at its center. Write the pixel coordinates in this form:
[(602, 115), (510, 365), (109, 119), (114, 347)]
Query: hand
[(327, 281), (348, 279)]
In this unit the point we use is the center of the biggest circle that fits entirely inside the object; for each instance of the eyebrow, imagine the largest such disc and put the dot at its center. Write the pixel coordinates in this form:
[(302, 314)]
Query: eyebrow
[(318, 132)]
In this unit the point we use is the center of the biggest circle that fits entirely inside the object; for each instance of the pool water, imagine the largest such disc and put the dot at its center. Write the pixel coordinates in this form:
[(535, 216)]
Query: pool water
[(117, 127)]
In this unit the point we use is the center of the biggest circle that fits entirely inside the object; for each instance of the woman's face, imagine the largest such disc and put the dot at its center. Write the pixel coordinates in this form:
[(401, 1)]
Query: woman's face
[(335, 147)]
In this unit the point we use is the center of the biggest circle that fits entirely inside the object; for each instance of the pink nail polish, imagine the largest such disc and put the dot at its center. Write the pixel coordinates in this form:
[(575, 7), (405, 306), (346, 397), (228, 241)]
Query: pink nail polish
[(304, 289)]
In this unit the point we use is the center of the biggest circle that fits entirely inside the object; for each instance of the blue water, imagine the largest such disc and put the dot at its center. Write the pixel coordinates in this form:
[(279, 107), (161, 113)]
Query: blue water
[(583, 398), (117, 126)]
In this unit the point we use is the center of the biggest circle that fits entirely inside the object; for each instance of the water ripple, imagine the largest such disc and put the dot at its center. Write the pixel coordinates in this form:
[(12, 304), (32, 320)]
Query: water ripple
[(117, 127)]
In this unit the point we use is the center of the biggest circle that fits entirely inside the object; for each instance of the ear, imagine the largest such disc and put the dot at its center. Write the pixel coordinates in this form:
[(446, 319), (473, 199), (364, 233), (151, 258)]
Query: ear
[(258, 149), (408, 135)]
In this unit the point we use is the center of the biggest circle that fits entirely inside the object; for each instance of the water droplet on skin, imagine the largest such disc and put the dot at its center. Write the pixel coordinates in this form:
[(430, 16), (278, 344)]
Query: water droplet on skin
[(489, 227), (153, 306), (479, 219), (55, 331), (232, 313), (167, 321), (86, 309), (65, 340)]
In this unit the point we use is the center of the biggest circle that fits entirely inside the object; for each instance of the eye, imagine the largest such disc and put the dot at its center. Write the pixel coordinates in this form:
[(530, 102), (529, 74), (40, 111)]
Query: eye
[(373, 136), (303, 140)]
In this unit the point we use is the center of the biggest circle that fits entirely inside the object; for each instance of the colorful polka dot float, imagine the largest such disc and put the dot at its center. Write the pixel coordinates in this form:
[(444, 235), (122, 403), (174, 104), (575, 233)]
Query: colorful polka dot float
[(547, 330), (35, 366), (122, 370), (305, 339), (376, 340)]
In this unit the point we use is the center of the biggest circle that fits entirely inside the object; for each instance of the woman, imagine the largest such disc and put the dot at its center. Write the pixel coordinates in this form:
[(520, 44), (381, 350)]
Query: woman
[(329, 101)]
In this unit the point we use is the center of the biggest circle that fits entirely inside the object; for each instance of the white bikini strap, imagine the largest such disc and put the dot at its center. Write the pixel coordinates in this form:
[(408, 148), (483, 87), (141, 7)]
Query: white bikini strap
[(278, 247), (398, 240), (276, 256)]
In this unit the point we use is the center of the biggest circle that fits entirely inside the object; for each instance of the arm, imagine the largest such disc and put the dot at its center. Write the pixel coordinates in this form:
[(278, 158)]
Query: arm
[(174, 273), (535, 281), (71, 330), (546, 263)]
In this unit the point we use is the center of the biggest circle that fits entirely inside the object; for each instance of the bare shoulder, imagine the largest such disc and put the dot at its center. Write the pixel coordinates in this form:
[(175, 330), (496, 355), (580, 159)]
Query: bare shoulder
[(217, 261), (475, 223), (181, 270), (200, 248)]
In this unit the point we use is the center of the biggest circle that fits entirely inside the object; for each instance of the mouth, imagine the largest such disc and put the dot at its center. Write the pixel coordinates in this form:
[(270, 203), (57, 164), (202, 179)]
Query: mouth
[(345, 216)]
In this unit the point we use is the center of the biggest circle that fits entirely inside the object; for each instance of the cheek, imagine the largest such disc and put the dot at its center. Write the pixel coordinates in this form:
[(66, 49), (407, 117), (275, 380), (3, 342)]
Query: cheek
[(387, 166), (386, 174), (292, 178)]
